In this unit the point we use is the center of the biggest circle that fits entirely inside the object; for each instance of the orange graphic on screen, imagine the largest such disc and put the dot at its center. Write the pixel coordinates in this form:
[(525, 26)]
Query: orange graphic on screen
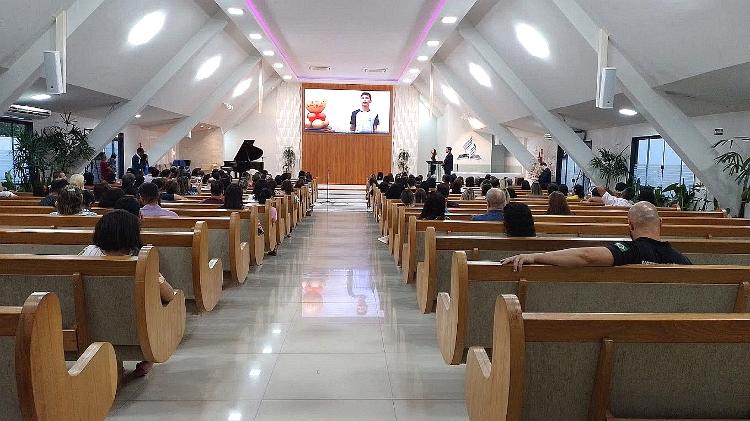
[(316, 119)]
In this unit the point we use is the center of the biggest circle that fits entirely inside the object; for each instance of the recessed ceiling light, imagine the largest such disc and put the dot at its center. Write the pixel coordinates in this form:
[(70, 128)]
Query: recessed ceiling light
[(406, 81), (255, 372), (433, 43), (278, 65), (241, 88), (234, 416), (208, 68), (268, 53), (423, 58), (146, 28), (137, 116), (480, 75), (236, 11), (414, 70), (532, 40), (41, 97), (287, 77), (476, 124), (449, 19), (256, 36), (450, 94), (628, 112)]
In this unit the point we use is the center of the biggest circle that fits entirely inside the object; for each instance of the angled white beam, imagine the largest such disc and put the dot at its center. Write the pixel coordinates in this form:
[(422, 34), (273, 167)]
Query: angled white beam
[(106, 130), (424, 89), (25, 70), (564, 135), (673, 125), (179, 130), (241, 114), (508, 139)]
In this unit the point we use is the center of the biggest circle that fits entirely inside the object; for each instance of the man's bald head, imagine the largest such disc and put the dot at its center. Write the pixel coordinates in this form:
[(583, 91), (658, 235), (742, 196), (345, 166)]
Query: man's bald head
[(644, 220), (496, 199)]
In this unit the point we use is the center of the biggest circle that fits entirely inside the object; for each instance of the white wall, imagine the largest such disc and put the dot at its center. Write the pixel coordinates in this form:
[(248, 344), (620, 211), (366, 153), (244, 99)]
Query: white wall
[(535, 143), (455, 131), (262, 128), (205, 148), (428, 139)]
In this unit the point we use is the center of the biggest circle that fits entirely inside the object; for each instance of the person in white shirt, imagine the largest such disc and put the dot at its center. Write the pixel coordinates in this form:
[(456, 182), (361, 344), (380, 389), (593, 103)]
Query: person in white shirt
[(364, 120), (626, 200), (5, 194)]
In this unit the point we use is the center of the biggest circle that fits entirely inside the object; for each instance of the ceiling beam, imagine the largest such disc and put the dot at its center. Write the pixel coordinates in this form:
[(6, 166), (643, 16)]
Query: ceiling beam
[(673, 125), (438, 107), (241, 115), (562, 133), (508, 139), (23, 72), (108, 128), (184, 126)]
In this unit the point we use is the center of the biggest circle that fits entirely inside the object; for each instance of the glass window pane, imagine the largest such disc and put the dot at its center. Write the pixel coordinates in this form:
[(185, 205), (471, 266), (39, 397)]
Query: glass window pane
[(672, 166), (641, 162)]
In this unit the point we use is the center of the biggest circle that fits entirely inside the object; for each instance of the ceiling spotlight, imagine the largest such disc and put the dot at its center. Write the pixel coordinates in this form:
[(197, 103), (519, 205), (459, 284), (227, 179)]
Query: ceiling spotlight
[(433, 43), (480, 75), (532, 40), (241, 88), (449, 19), (450, 94), (137, 116), (256, 36), (287, 77), (268, 53), (235, 11), (476, 124), (422, 58), (414, 70), (146, 28), (208, 68), (628, 112), (406, 81), (228, 106), (41, 97), (278, 65)]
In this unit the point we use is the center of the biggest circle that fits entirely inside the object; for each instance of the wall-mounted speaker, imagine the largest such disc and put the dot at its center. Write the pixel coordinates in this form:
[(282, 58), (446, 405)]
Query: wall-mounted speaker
[(53, 72), (607, 83)]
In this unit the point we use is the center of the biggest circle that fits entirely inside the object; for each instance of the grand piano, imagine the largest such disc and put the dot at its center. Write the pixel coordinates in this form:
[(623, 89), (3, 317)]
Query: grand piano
[(245, 159)]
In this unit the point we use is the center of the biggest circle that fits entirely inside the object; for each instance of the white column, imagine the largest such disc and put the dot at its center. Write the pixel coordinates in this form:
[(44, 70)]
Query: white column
[(25, 70), (508, 139), (673, 125), (181, 129), (564, 135)]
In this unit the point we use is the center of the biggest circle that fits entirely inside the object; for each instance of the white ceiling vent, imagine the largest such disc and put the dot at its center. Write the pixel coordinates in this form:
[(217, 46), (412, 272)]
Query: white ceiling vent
[(27, 113), (375, 70), (320, 68)]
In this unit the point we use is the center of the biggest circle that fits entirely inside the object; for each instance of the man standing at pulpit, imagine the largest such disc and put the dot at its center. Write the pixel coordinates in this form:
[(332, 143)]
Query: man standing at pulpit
[(448, 161)]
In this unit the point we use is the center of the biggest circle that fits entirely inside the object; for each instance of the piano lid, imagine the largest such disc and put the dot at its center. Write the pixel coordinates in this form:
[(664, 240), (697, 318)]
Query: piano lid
[(248, 152)]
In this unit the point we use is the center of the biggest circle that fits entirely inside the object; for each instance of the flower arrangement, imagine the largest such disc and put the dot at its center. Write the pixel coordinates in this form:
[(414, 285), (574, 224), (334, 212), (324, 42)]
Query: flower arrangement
[(534, 171)]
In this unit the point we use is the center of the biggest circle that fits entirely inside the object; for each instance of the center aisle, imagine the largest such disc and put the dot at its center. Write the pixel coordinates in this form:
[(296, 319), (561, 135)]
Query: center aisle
[(326, 330)]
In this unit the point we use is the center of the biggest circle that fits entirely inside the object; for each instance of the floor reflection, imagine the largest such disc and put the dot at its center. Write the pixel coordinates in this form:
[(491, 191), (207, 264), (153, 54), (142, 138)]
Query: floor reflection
[(340, 292)]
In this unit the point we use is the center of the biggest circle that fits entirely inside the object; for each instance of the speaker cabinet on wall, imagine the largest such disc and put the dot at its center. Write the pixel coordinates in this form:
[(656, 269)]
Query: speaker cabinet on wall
[(53, 72), (607, 83)]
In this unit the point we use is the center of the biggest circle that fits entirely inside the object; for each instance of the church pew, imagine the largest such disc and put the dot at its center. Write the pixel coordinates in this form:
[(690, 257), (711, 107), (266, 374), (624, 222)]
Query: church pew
[(464, 313), (271, 229), (434, 273), (35, 383), (591, 366), (224, 234), (184, 256), (103, 299)]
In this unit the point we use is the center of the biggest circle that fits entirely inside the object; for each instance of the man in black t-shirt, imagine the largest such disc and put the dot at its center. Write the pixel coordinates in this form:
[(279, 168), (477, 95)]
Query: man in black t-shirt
[(646, 247)]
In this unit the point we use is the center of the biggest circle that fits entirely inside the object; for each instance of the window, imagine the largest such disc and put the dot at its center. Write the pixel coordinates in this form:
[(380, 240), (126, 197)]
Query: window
[(10, 130), (654, 163), (568, 171)]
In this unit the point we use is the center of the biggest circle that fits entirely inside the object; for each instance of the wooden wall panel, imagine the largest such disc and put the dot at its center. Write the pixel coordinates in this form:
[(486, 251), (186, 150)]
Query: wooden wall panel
[(341, 158)]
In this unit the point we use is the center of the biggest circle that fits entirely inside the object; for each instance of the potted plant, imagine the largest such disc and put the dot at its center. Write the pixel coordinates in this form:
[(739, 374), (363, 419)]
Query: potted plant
[(288, 158), (738, 167), (612, 167), (402, 161)]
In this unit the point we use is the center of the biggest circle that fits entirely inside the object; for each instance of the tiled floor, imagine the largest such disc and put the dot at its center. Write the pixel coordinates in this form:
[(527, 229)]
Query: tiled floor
[(326, 330)]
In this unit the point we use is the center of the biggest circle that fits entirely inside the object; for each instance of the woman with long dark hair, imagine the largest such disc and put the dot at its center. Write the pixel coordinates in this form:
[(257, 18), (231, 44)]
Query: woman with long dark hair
[(518, 220), (558, 204), (233, 197), (434, 207)]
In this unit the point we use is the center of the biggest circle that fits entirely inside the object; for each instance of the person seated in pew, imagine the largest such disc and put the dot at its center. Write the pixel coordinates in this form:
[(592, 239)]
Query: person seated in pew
[(468, 194), (233, 197), (496, 201), (88, 199), (525, 185), (536, 189), (646, 247), (148, 194), (129, 204), (445, 191), (518, 220), (118, 233), (552, 187), (88, 180), (395, 189), (110, 197), (217, 194), (6, 194), (578, 194), (76, 180), (563, 188), (558, 204), (609, 199), (128, 184), (99, 189), (434, 207), (646, 194), (171, 191), (420, 195), (407, 198), (54, 191), (511, 192), (70, 202), (456, 186)]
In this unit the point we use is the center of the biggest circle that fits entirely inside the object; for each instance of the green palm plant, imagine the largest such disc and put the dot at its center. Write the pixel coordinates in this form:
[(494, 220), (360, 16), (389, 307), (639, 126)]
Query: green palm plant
[(736, 166), (612, 167)]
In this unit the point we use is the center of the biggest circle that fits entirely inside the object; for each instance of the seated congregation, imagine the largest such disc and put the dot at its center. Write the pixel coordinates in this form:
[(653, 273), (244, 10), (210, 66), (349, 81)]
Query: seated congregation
[(159, 246), (575, 306)]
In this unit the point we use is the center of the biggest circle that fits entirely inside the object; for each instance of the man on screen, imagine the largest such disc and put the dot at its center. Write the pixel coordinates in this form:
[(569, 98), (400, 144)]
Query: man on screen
[(364, 120)]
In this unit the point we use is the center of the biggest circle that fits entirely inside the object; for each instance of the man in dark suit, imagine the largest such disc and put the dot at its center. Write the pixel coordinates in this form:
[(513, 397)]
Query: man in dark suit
[(139, 162), (545, 178), (448, 161)]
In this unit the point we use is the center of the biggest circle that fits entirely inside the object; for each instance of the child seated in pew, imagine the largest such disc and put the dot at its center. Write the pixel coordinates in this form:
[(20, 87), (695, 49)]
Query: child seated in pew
[(558, 204), (645, 230), (518, 220), (118, 233), (70, 202), (149, 197)]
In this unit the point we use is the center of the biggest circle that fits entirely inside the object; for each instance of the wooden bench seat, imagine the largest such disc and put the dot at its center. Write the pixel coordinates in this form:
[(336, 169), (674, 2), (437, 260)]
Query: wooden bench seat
[(579, 366), (464, 313), (104, 299), (184, 256), (35, 383), (433, 274)]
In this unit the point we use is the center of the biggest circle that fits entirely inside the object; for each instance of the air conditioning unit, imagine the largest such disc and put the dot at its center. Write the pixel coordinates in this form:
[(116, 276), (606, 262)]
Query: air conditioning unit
[(320, 68), (372, 70), (27, 113)]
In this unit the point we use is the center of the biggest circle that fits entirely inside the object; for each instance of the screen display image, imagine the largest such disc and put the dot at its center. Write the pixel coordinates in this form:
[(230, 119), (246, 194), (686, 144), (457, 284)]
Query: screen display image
[(347, 111)]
